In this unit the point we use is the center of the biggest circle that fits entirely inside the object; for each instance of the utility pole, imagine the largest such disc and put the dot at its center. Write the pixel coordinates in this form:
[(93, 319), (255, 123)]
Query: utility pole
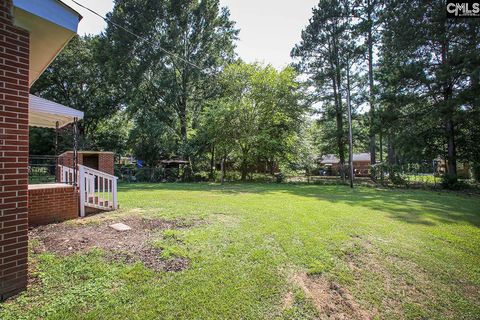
[(350, 134)]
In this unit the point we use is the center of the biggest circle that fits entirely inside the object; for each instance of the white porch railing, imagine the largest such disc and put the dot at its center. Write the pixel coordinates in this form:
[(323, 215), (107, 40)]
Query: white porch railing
[(66, 174), (97, 189)]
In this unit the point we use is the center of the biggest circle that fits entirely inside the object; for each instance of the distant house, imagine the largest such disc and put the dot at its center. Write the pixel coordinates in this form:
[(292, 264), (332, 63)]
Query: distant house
[(361, 164)]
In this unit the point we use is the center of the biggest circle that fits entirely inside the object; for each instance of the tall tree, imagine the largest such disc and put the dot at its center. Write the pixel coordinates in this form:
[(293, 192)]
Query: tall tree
[(171, 68), (326, 49), (258, 116), (369, 13), (433, 63)]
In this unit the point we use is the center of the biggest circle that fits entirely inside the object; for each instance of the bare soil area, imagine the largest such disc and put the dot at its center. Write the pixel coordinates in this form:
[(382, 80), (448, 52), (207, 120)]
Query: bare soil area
[(126, 246), (331, 300)]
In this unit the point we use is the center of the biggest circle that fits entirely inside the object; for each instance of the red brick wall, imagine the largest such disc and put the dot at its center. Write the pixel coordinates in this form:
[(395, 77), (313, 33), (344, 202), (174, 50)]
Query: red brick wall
[(106, 162), (362, 168), (50, 205), (14, 66), (66, 159)]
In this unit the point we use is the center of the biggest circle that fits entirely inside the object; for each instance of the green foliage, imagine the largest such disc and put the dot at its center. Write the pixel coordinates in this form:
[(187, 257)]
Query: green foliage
[(429, 82), (451, 182), (280, 177), (163, 92), (395, 175), (42, 141), (476, 171), (78, 79), (258, 116), (171, 244), (149, 174), (112, 134)]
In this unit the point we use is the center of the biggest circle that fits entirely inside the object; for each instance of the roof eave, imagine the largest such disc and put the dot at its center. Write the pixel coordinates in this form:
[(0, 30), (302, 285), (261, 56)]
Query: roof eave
[(53, 11)]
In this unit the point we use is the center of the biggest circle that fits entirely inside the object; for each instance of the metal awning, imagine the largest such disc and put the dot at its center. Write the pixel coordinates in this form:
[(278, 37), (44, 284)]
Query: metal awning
[(44, 113)]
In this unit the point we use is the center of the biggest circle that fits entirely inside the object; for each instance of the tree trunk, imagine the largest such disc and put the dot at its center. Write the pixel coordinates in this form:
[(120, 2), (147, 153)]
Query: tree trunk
[(183, 125), (243, 167), (392, 161), (272, 167), (222, 165), (341, 144), (451, 149), (381, 156), (391, 152), (339, 122), (212, 164), (183, 108), (370, 83), (350, 133), (339, 117), (244, 172), (449, 124)]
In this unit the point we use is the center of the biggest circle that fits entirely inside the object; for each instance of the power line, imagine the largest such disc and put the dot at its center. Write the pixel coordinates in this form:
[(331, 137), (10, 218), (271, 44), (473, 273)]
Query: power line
[(137, 36)]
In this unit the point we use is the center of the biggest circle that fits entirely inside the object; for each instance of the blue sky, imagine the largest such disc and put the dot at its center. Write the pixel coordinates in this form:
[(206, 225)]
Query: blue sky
[(268, 28)]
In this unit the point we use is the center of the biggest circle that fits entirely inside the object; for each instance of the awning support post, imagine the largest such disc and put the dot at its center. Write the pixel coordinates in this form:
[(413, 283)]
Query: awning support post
[(56, 151), (75, 153)]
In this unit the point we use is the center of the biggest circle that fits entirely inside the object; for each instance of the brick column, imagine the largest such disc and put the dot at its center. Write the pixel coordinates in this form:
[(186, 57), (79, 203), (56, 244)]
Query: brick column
[(14, 88), (106, 162)]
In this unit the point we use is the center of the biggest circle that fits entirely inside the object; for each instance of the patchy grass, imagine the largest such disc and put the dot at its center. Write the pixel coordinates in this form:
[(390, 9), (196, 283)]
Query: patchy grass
[(274, 252)]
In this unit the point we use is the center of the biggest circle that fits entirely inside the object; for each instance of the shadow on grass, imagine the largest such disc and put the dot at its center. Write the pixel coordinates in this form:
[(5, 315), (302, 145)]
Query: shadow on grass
[(411, 206)]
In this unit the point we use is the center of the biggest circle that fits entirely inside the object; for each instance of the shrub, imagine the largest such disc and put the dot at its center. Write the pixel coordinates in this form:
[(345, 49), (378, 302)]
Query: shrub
[(149, 175), (203, 176), (476, 171), (395, 177), (451, 182), (232, 175), (187, 174), (171, 174), (279, 177)]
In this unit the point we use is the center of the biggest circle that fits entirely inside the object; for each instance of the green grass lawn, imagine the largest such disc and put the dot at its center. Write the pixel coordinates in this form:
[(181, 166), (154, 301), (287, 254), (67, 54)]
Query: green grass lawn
[(399, 254), (425, 179)]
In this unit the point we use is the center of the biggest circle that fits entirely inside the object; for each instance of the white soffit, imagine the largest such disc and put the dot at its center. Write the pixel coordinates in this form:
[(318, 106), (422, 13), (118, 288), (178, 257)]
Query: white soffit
[(44, 113)]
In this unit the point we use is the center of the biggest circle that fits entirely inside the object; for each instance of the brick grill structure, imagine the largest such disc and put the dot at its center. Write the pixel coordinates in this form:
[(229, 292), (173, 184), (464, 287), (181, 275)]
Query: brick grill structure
[(14, 88), (98, 160), (51, 204), (106, 161)]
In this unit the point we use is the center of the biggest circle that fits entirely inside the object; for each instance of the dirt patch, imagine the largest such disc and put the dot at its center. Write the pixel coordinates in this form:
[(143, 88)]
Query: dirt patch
[(288, 300), (128, 246), (331, 300)]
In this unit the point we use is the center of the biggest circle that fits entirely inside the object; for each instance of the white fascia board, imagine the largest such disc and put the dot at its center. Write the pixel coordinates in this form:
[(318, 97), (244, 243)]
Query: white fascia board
[(51, 10)]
